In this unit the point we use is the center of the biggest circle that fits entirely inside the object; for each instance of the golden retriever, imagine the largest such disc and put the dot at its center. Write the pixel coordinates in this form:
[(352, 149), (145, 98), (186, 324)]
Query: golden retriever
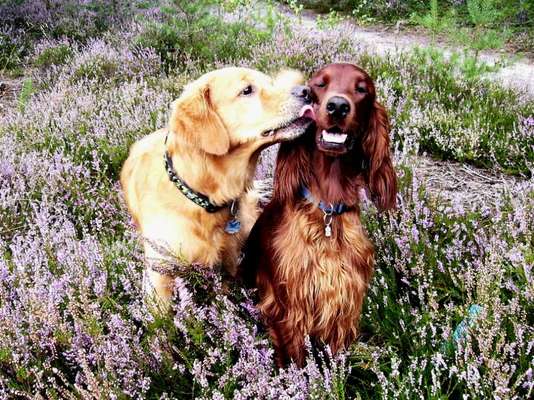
[(215, 133)]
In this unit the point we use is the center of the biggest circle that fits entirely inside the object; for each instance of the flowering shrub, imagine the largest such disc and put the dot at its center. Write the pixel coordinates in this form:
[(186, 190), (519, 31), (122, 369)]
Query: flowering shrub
[(11, 52), (90, 122), (76, 18), (73, 322), (48, 52), (438, 261)]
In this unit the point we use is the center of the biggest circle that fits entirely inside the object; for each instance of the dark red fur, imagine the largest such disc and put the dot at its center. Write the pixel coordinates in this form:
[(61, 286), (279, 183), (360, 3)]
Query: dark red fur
[(333, 176)]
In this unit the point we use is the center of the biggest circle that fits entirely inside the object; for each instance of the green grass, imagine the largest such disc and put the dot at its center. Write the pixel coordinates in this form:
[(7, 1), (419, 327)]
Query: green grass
[(11, 55), (25, 94)]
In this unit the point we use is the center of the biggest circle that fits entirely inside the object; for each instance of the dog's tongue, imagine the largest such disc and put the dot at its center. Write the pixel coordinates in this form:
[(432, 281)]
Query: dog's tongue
[(307, 111)]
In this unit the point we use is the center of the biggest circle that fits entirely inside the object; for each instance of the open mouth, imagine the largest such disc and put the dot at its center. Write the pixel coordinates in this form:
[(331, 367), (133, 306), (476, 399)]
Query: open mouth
[(333, 136), (333, 141)]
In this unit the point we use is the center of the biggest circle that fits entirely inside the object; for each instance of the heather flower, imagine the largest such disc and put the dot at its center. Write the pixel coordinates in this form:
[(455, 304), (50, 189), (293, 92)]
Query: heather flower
[(73, 322), (80, 18)]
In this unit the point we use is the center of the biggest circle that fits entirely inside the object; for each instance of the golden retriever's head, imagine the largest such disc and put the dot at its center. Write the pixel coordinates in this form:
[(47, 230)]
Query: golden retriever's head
[(232, 106)]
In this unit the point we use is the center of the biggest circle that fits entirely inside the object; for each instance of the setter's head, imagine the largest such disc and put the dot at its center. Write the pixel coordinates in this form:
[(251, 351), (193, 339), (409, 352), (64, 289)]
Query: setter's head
[(350, 123), (343, 97)]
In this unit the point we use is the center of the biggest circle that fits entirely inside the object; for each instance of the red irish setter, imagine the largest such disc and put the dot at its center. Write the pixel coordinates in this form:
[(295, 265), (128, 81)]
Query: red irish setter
[(308, 253)]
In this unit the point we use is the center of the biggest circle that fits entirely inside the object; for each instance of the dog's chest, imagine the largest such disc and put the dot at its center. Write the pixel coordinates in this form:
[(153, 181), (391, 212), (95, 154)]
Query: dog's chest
[(324, 265), (302, 234)]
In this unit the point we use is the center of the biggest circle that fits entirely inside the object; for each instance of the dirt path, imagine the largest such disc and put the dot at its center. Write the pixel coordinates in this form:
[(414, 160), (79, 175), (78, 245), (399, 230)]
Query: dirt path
[(518, 74), (463, 183)]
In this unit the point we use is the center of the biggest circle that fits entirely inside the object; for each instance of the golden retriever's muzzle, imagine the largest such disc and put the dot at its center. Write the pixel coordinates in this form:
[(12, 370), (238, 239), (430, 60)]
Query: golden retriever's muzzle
[(296, 127)]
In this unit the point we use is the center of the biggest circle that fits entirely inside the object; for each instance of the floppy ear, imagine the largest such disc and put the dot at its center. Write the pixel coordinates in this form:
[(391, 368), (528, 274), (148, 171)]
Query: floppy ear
[(292, 171), (381, 175), (195, 121)]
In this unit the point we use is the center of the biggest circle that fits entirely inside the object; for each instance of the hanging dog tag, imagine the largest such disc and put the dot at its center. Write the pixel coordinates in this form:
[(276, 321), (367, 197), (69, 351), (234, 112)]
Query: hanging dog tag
[(233, 226), (327, 218)]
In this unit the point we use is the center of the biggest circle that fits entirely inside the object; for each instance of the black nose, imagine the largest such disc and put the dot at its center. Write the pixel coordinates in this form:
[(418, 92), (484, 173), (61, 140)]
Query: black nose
[(338, 107), (302, 92)]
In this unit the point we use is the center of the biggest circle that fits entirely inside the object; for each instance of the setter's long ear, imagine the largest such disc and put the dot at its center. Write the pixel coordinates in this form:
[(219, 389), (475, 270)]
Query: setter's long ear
[(196, 122), (292, 170), (382, 177)]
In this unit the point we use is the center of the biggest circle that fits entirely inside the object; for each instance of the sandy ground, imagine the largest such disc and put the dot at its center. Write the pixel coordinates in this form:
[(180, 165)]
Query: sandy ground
[(463, 183)]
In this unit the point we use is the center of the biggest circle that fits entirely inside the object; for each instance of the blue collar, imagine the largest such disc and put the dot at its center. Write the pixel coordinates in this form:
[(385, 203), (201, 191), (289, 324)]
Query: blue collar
[(327, 208)]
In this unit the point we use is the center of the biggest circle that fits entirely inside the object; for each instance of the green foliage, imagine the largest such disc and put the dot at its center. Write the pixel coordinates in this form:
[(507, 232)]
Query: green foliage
[(11, 54), (465, 65), (362, 12), (483, 12), (57, 55), (330, 20), (234, 5), (189, 31), (25, 94), (480, 38), (487, 29), (296, 7), (435, 20), (272, 19)]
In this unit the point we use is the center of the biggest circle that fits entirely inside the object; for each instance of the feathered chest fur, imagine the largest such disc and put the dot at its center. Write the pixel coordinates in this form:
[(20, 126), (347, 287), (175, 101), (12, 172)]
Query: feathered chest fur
[(321, 280)]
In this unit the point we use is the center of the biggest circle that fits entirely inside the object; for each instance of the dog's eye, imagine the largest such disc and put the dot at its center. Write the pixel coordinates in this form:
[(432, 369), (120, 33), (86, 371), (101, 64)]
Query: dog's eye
[(320, 84), (247, 91), (361, 89)]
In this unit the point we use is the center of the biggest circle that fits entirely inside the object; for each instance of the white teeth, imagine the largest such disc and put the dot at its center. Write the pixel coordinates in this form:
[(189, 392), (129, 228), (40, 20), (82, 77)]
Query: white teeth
[(337, 138)]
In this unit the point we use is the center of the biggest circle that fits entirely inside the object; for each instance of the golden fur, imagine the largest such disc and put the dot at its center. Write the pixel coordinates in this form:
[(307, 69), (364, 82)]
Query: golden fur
[(215, 133)]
